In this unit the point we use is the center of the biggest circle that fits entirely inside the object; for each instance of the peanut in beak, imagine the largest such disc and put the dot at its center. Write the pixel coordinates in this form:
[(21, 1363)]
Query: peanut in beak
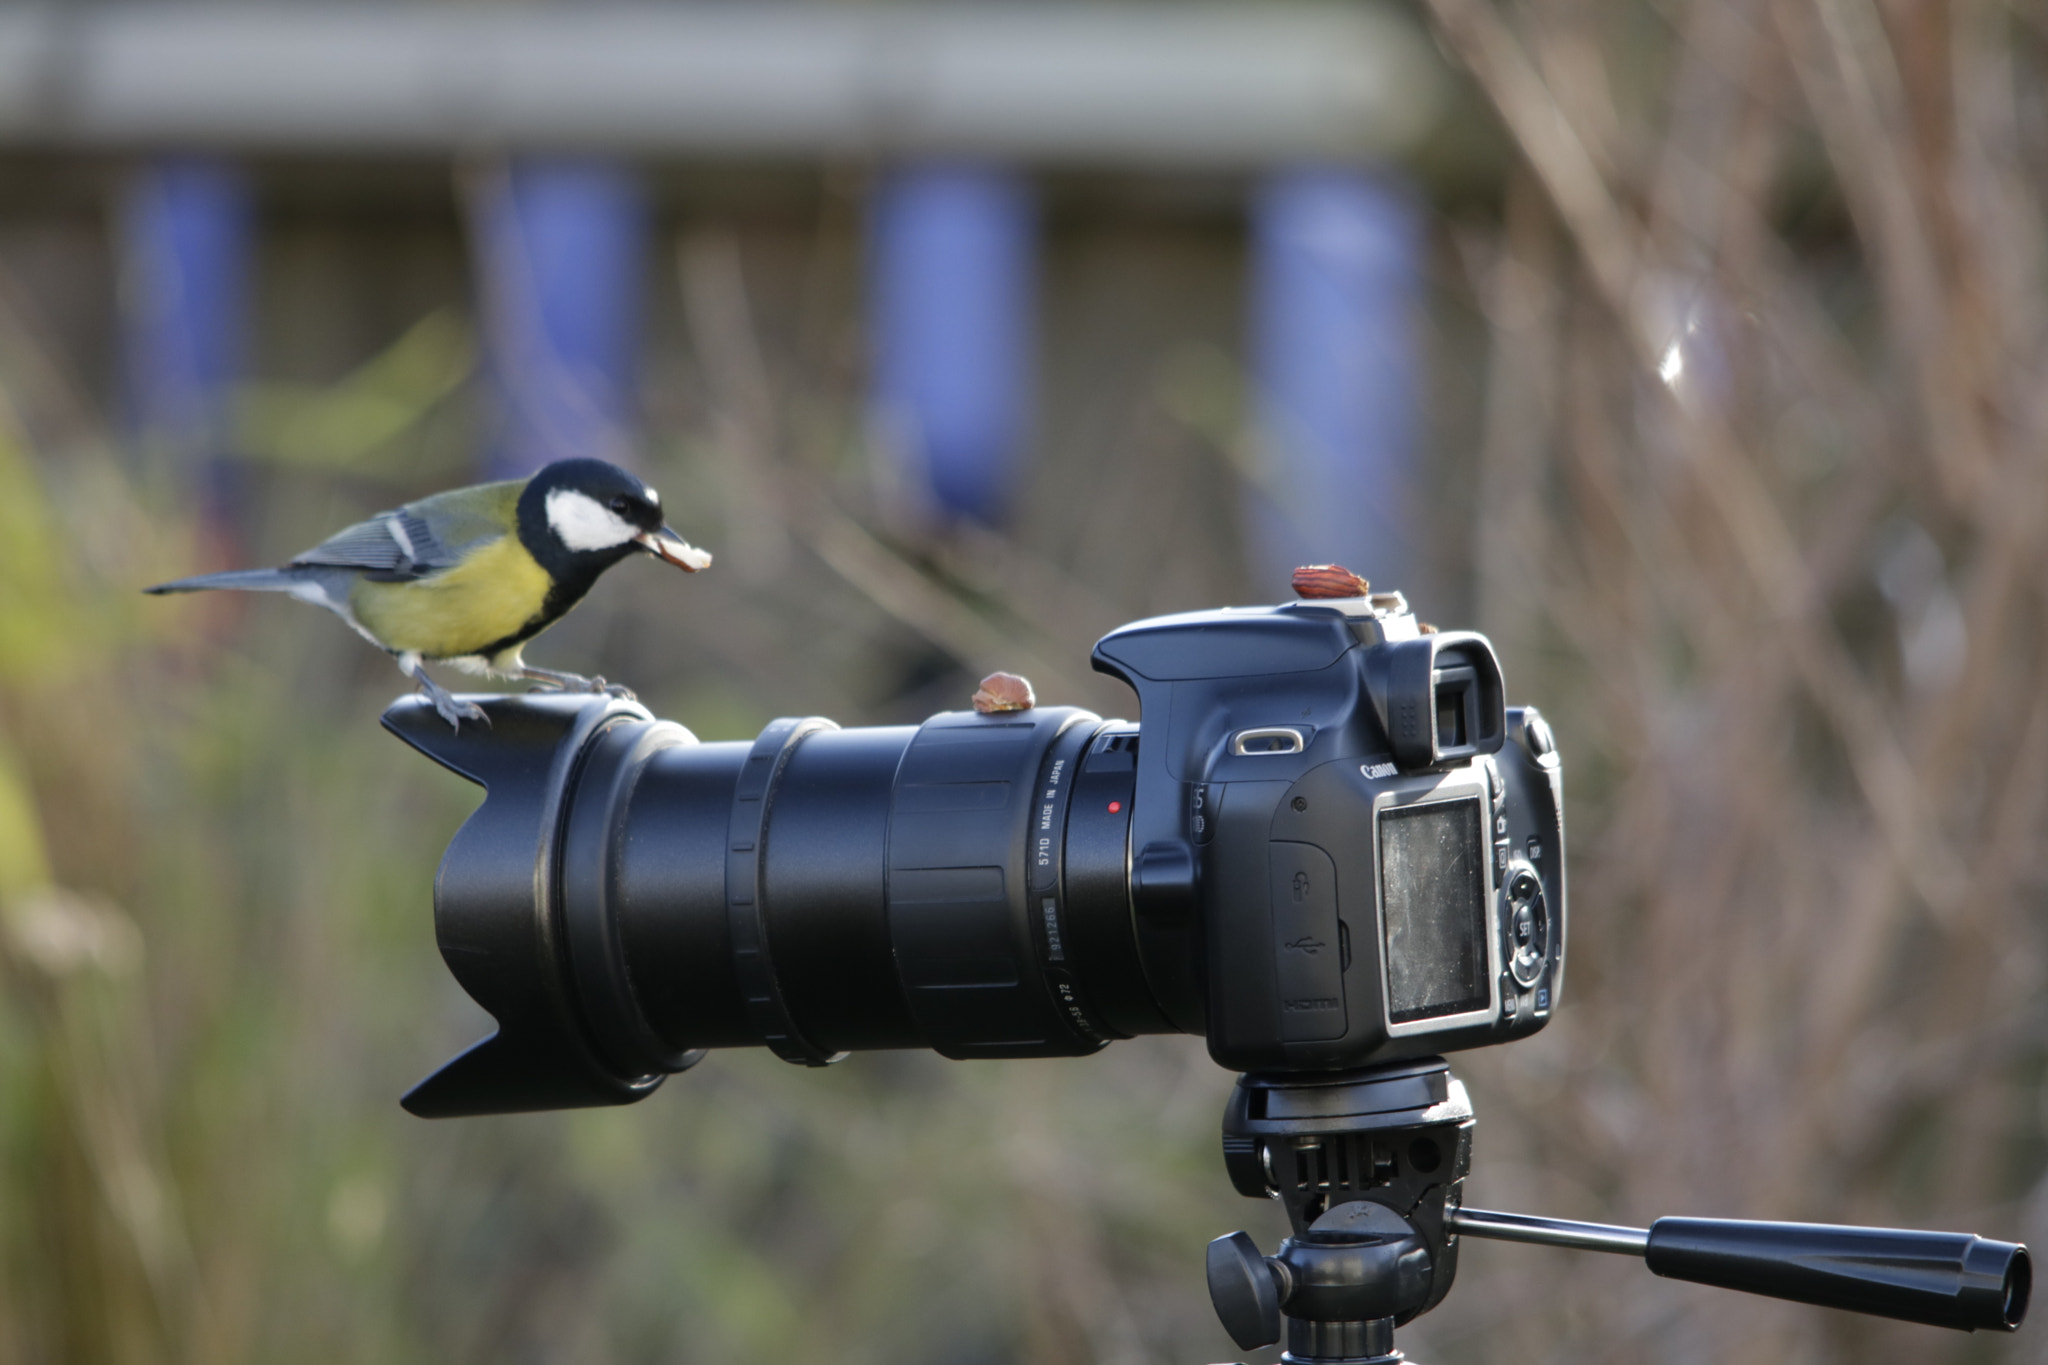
[(671, 548)]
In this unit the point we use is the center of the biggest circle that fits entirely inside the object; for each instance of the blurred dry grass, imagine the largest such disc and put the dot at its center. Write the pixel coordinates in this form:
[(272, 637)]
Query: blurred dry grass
[(1753, 513), (1766, 441)]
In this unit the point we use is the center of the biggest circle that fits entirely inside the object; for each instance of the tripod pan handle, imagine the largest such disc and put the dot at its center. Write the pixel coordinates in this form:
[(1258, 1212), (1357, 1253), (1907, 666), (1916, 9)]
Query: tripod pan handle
[(1944, 1279)]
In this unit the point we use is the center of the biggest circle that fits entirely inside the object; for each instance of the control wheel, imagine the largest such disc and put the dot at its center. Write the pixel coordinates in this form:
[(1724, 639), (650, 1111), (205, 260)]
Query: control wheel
[(1528, 923)]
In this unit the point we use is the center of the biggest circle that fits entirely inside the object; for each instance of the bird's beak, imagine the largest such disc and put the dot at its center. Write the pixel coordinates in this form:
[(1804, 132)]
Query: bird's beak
[(666, 545)]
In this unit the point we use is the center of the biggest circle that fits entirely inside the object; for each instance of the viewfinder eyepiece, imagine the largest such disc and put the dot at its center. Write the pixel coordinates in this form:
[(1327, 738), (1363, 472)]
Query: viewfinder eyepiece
[(1439, 698)]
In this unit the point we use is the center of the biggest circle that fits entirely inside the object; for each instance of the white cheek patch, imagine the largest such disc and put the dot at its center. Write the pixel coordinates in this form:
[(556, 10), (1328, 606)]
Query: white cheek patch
[(583, 523)]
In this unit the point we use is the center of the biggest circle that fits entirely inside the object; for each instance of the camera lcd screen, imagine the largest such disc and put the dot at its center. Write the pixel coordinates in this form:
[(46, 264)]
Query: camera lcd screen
[(1433, 889)]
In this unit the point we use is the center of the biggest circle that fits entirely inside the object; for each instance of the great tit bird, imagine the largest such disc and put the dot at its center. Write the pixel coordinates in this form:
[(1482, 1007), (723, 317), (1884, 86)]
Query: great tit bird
[(467, 577)]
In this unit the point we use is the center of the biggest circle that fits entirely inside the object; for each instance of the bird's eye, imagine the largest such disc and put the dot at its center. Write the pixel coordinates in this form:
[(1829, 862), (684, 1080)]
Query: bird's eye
[(621, 503)]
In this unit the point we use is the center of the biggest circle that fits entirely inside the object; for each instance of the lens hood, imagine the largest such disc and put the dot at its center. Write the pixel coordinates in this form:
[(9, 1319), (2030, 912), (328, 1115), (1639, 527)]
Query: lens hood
[(498, 908)]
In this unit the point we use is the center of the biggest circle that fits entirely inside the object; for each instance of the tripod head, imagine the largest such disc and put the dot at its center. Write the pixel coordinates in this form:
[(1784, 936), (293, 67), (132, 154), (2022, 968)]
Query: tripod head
[(1370, 1166)]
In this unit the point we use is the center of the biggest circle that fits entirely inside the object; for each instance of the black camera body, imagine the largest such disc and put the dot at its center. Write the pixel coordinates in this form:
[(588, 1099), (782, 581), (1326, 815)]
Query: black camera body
[(1345, 849), (1328, 845)]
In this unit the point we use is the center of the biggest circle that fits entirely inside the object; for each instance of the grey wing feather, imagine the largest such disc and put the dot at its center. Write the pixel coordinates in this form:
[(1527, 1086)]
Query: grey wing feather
[(464, 518), (391, 543), (415, 540)]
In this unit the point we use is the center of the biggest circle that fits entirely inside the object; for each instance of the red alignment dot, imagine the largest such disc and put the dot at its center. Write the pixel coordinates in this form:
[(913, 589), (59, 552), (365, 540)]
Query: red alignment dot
[(1115, 806)]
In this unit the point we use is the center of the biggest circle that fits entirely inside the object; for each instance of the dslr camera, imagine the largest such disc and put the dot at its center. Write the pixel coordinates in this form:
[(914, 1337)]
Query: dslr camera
[(1327, 845)]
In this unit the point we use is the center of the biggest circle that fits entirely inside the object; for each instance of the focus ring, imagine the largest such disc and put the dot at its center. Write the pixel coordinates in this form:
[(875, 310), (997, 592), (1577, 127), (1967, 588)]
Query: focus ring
[(745, 914), (1045, 883)]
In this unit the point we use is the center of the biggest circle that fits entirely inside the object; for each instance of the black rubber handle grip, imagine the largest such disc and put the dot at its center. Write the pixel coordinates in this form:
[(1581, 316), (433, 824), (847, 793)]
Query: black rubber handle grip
[(1944, 1279)]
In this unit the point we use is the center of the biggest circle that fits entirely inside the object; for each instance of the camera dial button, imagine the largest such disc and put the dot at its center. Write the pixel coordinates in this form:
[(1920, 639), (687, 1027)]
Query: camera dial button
[(1528, 923)]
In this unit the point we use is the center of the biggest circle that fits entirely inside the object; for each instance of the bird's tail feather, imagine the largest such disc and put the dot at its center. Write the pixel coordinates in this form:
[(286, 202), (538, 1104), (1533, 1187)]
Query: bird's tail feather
[(247, 580)]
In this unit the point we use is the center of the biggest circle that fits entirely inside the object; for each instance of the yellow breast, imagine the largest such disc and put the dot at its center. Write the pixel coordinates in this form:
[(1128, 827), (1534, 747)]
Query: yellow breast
[(492, 594)]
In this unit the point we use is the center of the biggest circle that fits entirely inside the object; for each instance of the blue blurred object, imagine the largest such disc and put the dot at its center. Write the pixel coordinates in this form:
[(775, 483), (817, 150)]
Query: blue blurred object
[(186, 231), (1337, 259), (952, 260), (561, 247)]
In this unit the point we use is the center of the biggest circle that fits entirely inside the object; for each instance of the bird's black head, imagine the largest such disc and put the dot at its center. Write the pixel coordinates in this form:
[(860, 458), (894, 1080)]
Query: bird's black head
[(580, 517)]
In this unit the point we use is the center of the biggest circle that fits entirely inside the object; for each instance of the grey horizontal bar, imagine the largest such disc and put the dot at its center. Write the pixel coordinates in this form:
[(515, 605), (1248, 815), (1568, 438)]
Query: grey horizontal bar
[(1179, 85), (1556, 1232)]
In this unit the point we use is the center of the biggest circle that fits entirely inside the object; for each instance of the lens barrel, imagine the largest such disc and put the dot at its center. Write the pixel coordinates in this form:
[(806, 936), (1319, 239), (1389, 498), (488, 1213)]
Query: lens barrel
[(627, 896)]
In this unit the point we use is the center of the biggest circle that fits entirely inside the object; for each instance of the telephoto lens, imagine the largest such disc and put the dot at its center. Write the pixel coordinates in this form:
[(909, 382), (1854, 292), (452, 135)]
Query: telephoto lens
[(1329, 845), (628, 897)]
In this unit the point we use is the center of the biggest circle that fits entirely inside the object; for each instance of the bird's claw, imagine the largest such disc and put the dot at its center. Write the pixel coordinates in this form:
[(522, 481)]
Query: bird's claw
[(570, 682), (455, 712), (597, 684)]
